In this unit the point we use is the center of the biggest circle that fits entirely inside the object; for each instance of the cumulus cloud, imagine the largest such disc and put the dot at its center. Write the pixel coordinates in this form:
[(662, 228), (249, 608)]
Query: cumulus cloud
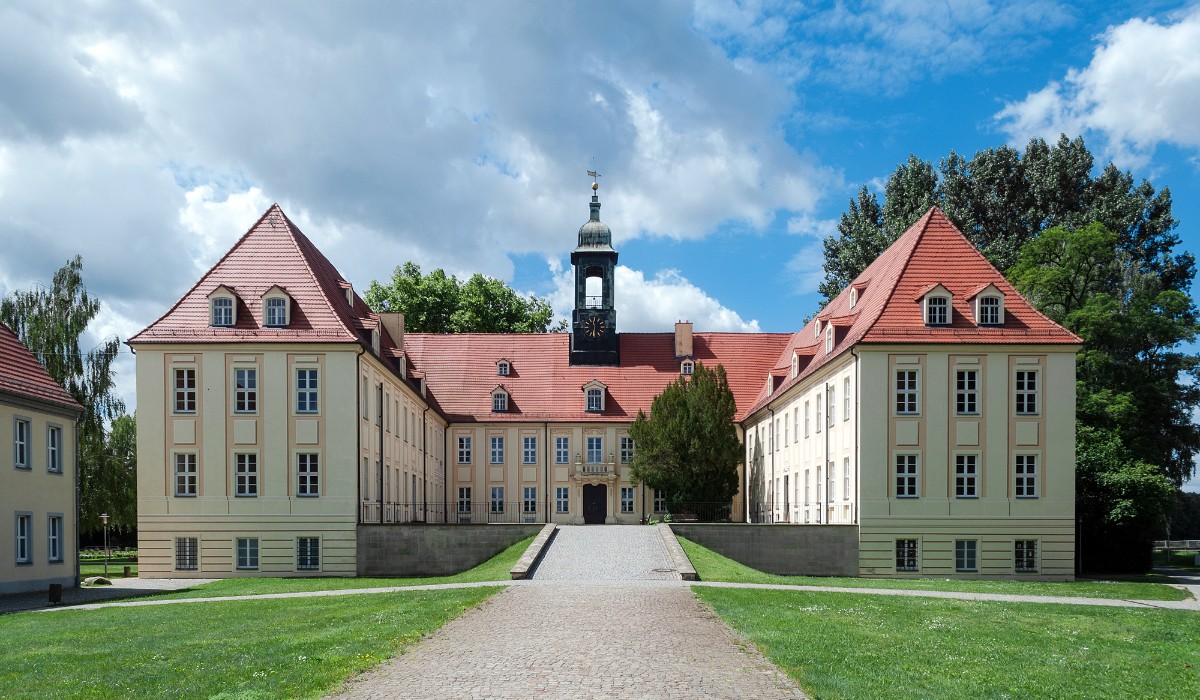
[(1141, 88), (653, 305)]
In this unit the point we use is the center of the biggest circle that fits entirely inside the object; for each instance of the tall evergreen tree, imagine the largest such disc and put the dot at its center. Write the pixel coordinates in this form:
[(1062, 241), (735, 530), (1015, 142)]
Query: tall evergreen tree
[(50, 322)]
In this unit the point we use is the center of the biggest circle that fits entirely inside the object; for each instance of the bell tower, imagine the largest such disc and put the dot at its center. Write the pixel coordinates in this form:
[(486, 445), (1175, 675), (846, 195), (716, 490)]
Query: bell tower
[(594, 338)]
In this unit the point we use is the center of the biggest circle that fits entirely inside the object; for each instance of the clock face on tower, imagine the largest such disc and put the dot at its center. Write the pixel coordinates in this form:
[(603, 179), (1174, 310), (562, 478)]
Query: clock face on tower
[(593, 326)]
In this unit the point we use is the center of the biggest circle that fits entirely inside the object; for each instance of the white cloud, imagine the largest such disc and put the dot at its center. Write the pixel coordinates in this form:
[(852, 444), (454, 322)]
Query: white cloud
[(806, 269), (1141, 88), (215, 225), (654, 305)]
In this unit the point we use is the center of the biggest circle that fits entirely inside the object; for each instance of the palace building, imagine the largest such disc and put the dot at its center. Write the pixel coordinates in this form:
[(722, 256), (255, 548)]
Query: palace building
[(928, 405)]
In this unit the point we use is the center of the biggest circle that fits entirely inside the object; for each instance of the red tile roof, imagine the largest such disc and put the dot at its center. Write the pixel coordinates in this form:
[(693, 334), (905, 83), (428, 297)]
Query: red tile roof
[(931, 252), (22, 375), (460, 373), (273, 253)]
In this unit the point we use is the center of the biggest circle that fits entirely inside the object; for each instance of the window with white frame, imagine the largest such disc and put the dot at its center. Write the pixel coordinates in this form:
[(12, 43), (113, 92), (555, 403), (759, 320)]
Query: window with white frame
[(906, 476), (796, 422), (1025, 556), (626, 449), (54, 449), (820, 413), (966, 476), (187, 553), (221, 311), (245, 390), (687, 367), (502, 368), (562, 449), (795, 365), (496, 453), (21, 432), (464, 499), (186, 474), (853, 297), (966, 392), (846, 479), (246, 474), (937, 310), (991, 310), (1025, 474), (907, 396), (660, 501), (464, 449), (529, 449), (806, 423), (595, 399), (832, 406), (1026, 385), (54, 539), (497, 502), (247, 553), (308, 553), (275, 311), (966, 555), (595, 449), (626, 499), (499, 401), (846, 398), (562, 499), (829, 339), (23, 542), (307, 392), (529, 500), (784, 422), (830, 481), (185, 390), (308, 474), (907, 555)]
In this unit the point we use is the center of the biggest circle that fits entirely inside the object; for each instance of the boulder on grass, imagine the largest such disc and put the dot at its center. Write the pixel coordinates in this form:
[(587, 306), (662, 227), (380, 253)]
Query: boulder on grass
[(96, 581)]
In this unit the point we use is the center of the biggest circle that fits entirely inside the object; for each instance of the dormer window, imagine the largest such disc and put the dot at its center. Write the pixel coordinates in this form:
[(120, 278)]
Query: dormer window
[(222, 311), (276, 307), (853, 297), (989, 306), (817, 328), (594, 392), (937, 308), (795, 365), (503, 368), (687, 367), (828, 338), (499, 400), (375, 341)]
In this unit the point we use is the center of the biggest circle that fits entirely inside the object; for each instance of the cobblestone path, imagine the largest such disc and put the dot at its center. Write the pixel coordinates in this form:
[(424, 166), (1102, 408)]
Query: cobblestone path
[(606, 553), (596, 621)]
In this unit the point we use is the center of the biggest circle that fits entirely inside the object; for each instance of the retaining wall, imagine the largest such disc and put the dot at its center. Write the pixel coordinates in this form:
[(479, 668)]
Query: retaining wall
[(432, 550), (789, 550)]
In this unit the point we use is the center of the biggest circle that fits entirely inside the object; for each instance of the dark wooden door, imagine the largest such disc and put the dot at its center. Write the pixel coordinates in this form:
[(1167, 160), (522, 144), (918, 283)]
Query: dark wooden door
[(595, 503)]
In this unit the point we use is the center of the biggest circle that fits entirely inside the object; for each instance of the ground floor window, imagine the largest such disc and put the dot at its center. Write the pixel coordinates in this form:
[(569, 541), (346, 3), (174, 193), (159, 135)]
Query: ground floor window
[(1026, 555), (247, 553), (464, 499), (906, 555), (23, 543), (529, 500), (626, 499), (187, 550), (308, 553), (497, 505), (965, 555), (660, 501), (562, 499), (55, 543)]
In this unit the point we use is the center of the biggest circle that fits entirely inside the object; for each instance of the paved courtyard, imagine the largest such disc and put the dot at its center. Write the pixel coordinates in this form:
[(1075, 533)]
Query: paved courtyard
[(603, 617)]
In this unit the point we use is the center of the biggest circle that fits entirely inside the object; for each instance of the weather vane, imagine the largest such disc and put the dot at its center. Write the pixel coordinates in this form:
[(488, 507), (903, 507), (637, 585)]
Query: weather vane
[(595, 176)]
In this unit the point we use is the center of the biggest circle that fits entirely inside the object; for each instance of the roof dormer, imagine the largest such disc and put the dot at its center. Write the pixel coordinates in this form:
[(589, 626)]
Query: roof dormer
[(499, 399), (988, 306), (348, 290), (276, 307), (687, 367), (503, 368), (829, 338), (594, 393), (935, 306), (222, 307)]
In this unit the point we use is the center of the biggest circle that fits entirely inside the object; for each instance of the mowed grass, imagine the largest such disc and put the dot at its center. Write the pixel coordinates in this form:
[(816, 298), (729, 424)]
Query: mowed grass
[(494, 569), (844, 645), (115, 568), (713, 567), (243, 650)]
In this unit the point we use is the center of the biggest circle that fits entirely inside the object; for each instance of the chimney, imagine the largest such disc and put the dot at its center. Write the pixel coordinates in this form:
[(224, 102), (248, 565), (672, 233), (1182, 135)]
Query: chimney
[(683, 339), (394, 323)]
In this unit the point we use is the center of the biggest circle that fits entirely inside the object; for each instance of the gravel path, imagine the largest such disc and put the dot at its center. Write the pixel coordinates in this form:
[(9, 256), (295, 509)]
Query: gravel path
[(120, 588), (609, 553)]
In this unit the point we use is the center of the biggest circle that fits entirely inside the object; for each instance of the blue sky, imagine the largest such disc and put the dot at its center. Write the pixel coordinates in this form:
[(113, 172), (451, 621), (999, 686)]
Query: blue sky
[(147, 137)]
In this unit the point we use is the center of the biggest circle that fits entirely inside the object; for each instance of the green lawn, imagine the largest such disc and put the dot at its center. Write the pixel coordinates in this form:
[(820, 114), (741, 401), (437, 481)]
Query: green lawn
[(713, 567), (115, 568), (842, 645), (1181, 558), (234, 650), (494, 569)]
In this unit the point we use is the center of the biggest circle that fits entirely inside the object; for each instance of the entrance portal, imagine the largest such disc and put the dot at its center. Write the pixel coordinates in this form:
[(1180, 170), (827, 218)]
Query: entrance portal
[(595, 504)]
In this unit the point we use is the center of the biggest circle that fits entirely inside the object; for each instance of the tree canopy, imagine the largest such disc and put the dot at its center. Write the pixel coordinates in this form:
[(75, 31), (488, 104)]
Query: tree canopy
[(688, 446), (441, 303), (50, 322)]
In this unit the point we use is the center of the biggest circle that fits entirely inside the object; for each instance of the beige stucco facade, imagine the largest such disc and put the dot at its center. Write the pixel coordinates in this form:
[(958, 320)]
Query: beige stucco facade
[(39, 543)]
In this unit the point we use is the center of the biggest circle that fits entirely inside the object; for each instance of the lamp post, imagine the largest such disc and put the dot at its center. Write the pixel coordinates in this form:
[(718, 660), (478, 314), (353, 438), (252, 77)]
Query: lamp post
[(104, 520)]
